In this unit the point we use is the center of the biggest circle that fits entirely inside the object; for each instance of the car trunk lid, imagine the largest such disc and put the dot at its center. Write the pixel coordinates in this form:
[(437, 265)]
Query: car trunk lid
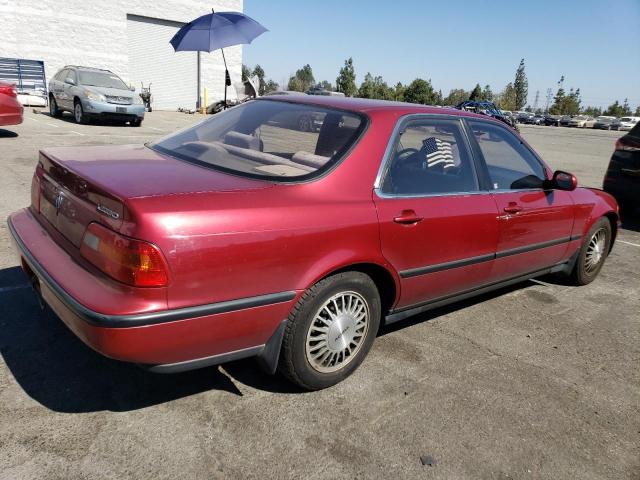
[(80, 185)]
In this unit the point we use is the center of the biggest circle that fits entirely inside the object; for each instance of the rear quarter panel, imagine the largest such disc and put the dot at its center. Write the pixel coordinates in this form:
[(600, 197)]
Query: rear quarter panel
[(231, 245)]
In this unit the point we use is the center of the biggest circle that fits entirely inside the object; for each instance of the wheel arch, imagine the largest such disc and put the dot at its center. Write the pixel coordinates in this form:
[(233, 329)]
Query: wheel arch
[(386, 282), (613, 220)]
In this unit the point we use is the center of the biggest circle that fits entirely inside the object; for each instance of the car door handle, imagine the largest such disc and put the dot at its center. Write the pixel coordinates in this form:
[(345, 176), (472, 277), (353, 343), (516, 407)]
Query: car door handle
[(407, 217), (513, 207)]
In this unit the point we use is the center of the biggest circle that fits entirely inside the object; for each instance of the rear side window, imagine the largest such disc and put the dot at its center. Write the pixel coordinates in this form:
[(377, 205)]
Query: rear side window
[(268, 139), (511, 165), (430, 156)]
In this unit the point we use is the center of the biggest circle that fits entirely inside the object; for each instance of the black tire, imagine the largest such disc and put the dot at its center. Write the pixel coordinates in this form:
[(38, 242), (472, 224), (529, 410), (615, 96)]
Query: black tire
[(54, 111), (294, 363), (78, 113), (136, 123), (583, 273)]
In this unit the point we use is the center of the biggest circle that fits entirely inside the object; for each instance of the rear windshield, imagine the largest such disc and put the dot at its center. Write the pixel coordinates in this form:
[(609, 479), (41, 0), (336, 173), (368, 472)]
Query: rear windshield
[(268, 139)]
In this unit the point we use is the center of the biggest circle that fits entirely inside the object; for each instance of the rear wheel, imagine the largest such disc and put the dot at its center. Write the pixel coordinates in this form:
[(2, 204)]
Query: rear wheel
[(54, 111), (593, 253), (330, 331)]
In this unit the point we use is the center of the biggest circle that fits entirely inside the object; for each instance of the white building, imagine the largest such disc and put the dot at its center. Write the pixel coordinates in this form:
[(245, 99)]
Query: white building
[(128, 37)]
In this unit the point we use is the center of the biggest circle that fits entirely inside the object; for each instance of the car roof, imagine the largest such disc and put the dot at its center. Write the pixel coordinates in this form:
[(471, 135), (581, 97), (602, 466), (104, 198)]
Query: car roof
[(366, 105), (79, 67)]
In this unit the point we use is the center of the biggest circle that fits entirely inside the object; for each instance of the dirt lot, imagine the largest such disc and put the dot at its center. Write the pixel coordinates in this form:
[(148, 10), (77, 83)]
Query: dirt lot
[(540, 380)]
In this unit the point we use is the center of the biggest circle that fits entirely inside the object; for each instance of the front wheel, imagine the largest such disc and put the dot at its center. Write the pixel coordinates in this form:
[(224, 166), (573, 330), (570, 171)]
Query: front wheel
[(593, 253), (78, 113), (330, 331), (136, 122)]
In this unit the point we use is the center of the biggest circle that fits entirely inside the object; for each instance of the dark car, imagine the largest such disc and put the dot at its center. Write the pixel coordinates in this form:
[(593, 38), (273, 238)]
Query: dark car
[(487, 108), (604, 123), (552, 120), (534, 120), (564, 121), (622, 179)]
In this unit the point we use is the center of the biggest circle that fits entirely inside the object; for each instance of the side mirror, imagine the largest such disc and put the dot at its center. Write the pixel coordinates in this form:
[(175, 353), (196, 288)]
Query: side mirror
[(69, 81), (562, 181)]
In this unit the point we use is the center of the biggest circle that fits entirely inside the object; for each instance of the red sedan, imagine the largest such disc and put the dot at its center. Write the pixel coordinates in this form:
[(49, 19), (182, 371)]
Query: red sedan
[(242, 236), (10, 108)]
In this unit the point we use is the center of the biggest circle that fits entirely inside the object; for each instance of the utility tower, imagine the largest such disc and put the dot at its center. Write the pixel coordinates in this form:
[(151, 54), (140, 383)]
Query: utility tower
[(549, 97), (535, 102)]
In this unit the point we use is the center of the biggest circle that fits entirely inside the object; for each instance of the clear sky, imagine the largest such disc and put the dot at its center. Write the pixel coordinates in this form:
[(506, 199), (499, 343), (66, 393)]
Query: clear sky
[(594, 44)]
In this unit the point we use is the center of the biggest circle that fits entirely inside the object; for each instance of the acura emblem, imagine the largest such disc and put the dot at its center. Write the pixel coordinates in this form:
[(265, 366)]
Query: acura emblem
[(58, 201)]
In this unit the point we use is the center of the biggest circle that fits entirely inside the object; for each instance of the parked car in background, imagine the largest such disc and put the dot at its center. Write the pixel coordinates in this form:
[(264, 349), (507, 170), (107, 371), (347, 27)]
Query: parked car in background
[(11, 111), (622, 179), (323, 91), (604, 122), (92, 93), (236, 238), (582, 121), (301, 121), (484, 107), (625, 123), (534, 120), (564, 120), (552, 120), (523, 117)]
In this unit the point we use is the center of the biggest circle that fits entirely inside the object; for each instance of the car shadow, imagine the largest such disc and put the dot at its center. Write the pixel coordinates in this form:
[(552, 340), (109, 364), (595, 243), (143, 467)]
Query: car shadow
[(7, 133), (57, 370), (68, 118)]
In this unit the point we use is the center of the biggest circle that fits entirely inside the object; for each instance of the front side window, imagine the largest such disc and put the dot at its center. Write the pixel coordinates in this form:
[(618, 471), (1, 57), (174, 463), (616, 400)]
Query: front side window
[(430, 156), (511, 165), (268, 139)]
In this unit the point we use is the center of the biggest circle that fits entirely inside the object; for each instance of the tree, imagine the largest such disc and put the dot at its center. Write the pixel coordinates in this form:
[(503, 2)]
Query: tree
[(302, 80), (398, 92), (506, 100), (270, 86), (325, 84), (521, 86), (487, 94), (456, 96), (558, 100), (617, 110), (637, 112), (375, 87), (346, 81), (246, 73), (420, 91), (476, 93), (593, 111)]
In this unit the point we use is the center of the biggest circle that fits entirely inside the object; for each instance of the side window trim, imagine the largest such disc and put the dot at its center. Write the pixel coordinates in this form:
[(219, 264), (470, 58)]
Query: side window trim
[(475, 146), (393, 141)]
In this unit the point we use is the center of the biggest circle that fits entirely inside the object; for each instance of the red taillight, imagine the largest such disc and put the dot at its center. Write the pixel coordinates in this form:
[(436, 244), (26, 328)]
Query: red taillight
[(130, 261), (8, 90), (627, 145)]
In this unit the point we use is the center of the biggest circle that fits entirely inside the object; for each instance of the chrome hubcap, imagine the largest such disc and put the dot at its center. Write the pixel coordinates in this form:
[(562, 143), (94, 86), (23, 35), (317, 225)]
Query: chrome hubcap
[(78, 112), (337, 332), (595, 250)]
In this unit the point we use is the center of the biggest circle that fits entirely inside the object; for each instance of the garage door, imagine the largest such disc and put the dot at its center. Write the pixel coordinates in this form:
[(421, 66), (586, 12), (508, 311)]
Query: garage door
[(173, 75)]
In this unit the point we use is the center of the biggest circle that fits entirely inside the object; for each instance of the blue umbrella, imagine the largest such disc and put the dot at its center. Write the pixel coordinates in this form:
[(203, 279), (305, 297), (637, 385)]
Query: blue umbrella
[(215, 31)]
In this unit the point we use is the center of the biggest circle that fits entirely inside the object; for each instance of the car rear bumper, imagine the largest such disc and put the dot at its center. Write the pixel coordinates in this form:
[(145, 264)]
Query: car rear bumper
[(167, 340)]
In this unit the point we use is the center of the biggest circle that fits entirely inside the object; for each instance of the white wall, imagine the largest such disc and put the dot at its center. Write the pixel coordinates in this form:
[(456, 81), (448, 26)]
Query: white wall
[(94, 33)]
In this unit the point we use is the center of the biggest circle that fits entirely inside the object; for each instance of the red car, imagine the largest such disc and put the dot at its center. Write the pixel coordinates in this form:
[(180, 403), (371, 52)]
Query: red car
[(243, 237), (10, 108)]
